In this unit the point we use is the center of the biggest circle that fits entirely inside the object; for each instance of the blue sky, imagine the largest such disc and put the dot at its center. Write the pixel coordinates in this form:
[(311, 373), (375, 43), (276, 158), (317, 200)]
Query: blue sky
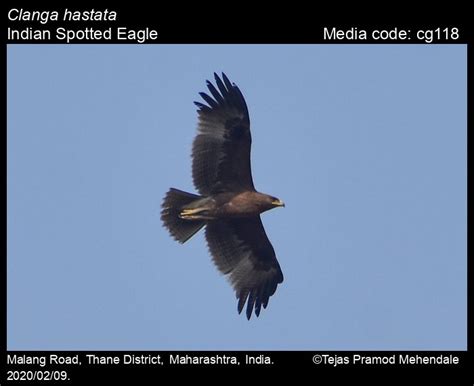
[(366, 144)]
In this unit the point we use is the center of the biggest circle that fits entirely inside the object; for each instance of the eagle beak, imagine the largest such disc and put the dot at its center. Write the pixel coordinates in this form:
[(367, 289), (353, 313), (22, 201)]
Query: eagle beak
[(278, 203)]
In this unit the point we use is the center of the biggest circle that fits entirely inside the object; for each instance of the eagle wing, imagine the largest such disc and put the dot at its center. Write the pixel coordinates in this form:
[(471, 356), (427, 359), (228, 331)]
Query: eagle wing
[(221, 149), (241, 250)]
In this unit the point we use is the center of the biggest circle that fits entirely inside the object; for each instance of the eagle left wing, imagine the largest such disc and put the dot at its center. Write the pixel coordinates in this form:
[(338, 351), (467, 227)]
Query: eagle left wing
[(241, 249)]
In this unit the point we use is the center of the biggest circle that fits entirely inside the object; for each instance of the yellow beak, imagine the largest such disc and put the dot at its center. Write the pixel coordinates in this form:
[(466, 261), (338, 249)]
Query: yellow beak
[(278, 203)]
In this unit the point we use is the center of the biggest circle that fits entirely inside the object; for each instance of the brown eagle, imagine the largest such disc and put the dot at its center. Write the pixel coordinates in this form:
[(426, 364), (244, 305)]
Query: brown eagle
[(229, 206)]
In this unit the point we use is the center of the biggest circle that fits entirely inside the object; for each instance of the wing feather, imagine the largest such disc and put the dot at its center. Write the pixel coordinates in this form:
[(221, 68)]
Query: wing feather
[(217, 96), (221, 149), (241, 250)]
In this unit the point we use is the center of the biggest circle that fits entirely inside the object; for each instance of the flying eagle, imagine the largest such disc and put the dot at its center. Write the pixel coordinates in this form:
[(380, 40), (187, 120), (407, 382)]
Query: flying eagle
[(228, 204)]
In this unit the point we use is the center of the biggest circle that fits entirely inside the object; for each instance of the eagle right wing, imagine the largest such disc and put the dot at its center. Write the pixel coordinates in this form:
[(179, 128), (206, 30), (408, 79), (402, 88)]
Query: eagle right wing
[(221, 149)]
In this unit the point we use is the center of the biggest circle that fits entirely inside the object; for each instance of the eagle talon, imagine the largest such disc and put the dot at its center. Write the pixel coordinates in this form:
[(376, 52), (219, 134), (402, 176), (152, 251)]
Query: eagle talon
[(189, 217), (190, 214)]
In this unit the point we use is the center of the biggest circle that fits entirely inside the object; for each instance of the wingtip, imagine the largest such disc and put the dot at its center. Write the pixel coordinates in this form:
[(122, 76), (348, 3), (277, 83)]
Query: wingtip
[(240, 307), (201, 107), (249, 315), (225, 78)]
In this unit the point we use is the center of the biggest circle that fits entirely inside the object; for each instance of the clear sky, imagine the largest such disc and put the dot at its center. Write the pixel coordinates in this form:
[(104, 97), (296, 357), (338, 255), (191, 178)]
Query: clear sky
[(366, 144)]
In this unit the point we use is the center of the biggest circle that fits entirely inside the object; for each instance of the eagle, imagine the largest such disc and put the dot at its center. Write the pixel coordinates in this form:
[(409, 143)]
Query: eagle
[(228, 204)]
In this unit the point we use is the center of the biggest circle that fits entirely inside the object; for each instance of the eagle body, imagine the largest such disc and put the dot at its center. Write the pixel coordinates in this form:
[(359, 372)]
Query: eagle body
[(228, 204)]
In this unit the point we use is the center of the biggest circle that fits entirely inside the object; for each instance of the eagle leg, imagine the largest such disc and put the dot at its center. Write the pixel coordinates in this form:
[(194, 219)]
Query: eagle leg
[(193, 214)]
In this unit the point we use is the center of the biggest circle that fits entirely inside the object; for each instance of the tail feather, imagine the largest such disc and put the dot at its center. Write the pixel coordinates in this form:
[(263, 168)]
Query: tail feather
[(181, 230)]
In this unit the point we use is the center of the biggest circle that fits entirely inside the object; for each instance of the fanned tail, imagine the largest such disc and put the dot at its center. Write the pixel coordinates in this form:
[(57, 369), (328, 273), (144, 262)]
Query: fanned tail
[(181, 230)]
